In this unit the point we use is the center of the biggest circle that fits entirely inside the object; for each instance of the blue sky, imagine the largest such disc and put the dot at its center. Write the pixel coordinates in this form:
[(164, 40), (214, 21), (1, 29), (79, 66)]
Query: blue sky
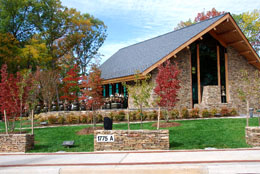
[(132, 21)]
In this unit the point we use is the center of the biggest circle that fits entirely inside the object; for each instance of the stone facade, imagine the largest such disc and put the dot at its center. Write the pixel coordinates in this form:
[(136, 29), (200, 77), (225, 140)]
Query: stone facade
[(236, 63), (16, 142), (253, 136), (133, 140), (184, 94)]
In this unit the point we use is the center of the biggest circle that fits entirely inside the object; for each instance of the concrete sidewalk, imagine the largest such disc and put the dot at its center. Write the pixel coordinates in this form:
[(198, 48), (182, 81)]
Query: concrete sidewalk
[(193, 161)]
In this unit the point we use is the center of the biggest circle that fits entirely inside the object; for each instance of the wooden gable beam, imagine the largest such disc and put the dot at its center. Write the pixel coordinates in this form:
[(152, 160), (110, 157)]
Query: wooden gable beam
[(198, 36), (213, 34), (252, 61), (227, 33), (235, 43), (245, 52), (245, 39)]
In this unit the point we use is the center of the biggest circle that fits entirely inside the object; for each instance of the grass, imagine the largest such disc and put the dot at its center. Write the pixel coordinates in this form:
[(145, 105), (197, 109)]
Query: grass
[(192, 134)]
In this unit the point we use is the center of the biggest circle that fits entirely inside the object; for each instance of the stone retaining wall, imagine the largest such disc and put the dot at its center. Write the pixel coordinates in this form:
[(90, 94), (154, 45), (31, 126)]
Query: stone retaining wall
[(16, 142), (133, 140), (253, 136)]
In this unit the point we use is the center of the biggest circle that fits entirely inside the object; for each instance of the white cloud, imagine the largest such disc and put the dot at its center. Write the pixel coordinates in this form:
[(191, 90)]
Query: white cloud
[(150, 18)]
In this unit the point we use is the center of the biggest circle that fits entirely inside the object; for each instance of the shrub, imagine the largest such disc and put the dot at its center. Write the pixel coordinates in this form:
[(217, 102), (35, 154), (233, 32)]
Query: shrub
[(111, 115), (194, 113), (52, 119), (37, 117), (213, 112), (132, 115), (174, 113), (152, 115), (99, 118), (83, 118), (90, 117), (224, 111), (233, 112), (145, 115), (42, 119), (205, 113), (185, 113), (120, 116), (61, 119), (72, 119)]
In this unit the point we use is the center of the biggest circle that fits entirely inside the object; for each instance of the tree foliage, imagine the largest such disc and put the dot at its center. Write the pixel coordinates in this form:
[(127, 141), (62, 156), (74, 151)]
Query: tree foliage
[(200, 17), (70, 87), (44, 31), (167, 85), (140, 92), (249, 23), (14, 92), (48, 81), (91, 90)]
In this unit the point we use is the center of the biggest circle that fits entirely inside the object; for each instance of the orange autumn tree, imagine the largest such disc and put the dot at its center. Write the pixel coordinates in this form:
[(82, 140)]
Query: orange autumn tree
[(70, 87), (91, 89)]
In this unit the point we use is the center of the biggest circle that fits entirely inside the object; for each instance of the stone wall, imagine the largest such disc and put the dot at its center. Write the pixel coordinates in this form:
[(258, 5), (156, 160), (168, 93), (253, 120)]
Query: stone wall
[(253, 136), (184, 94), (16, 142), (236, 63), (133, 140)]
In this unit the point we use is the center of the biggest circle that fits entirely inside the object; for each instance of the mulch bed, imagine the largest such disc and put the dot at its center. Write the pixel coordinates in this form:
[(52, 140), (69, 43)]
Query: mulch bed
[(89, 130), (165, 124)]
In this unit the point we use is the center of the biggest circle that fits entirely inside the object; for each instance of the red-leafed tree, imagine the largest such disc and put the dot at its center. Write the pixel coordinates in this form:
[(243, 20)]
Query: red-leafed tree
[(13, 94), (167, 85), (200, 17), (70, 87), (206, 15), (91, 89)]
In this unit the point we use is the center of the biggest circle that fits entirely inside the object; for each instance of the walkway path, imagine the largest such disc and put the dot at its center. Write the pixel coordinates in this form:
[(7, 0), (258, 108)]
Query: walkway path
[(229, 161)]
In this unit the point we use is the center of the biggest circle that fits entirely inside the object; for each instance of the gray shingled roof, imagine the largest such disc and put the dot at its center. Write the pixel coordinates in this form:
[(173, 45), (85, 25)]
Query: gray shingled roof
[(142, 55)]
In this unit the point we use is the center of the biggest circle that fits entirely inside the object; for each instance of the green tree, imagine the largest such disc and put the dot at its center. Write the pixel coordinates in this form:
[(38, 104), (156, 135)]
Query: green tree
[(140, 92), (15, 18), (249, 23)]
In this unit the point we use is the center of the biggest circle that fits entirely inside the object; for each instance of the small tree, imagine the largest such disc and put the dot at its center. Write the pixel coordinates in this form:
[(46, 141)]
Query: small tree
[(250, 89), (70, 84), (48, 80), (140, 92), (167, 86), (91, 89)]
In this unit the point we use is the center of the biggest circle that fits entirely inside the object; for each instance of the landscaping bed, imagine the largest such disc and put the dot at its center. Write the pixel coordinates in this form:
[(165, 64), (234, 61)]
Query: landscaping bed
[(191, 134)]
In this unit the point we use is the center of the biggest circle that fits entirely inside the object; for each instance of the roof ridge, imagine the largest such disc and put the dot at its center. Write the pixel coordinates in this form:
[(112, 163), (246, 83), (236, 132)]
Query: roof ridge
[(173, 31)]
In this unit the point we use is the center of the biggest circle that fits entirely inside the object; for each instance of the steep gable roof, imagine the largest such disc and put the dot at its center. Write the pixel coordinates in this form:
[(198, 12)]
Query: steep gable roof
[(145, 56)]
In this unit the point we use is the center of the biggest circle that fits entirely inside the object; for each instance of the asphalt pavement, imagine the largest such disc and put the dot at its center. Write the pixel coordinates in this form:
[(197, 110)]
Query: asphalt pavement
[(213, 161)]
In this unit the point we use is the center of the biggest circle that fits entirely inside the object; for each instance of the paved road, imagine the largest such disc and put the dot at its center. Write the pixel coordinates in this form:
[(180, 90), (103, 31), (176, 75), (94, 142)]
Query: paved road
[(233, 161)]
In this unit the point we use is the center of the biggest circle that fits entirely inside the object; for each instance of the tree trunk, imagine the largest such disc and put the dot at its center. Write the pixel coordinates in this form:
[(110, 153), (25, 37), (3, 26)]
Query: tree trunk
[(247, 115), (128, 119), (158, 122), (32, 122), (141, 115), (6, 128)]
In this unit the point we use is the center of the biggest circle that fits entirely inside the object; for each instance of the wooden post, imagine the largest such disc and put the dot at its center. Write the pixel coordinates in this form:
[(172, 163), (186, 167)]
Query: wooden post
[(158, 122), (247, 113), (218, 62), (226, 74), (198, 73), (128, 119), (6, 129), (32, 122)]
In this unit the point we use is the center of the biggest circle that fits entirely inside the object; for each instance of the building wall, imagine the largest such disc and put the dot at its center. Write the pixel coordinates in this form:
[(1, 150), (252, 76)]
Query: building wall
[(236, 63), (184, 94)]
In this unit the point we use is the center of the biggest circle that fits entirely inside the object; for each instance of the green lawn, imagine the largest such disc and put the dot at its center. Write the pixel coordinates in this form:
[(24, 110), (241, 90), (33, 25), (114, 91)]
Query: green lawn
[(192, 134)]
